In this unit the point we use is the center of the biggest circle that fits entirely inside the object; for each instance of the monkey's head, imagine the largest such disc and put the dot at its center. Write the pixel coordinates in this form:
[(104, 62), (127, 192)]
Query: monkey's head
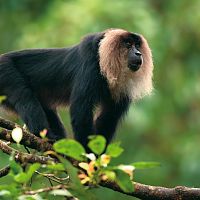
[(125, 60), (132, 42)]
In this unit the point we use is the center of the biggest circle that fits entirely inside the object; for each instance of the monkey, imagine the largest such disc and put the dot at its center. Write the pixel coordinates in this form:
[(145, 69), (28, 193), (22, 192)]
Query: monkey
[(108, 69)]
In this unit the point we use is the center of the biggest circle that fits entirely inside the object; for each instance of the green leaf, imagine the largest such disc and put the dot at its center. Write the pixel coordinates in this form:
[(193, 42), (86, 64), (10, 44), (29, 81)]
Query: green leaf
[(72, 172), (32, 169), (123, 181), (30, 197), (12, 188), (56, 166), (97, 144), (70, 148), (114, 149), (109, 173), (14, 166), (21, 177), (145, 165), (24, 177), (75, 186)]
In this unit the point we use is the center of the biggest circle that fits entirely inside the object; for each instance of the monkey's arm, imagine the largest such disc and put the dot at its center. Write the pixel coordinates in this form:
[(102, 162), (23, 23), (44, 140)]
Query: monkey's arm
[(109, 117), (82, 102)]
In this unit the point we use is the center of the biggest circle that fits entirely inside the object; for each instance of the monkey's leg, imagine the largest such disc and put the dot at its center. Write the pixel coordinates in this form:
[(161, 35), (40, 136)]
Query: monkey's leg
[(81, 119), (109, 117), (20, 97), (55, 124), (29, 109)]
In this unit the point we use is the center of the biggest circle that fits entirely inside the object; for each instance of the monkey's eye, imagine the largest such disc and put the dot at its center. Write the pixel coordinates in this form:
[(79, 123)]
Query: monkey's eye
[(128, 45), (137, 45)]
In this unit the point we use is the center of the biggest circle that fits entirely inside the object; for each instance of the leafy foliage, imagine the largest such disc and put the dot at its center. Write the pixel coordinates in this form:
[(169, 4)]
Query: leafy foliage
[(92, 170)]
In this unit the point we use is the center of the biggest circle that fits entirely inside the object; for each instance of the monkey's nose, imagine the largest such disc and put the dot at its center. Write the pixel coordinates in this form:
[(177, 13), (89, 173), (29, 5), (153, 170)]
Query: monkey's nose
[(137, 53)]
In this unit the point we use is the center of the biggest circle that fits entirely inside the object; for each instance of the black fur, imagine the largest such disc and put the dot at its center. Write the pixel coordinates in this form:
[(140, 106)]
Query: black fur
[(36, 81)]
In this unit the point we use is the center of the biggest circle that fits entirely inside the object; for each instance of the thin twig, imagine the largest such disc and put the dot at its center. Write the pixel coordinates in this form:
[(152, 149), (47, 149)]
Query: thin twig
[(48, 189), (50, 177)]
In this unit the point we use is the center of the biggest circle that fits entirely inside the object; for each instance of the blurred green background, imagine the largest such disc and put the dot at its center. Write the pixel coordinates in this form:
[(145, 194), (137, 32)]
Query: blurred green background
[(164, 127)]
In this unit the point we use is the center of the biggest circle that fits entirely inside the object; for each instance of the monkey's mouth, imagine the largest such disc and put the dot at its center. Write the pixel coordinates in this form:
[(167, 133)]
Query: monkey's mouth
[(135, 66)]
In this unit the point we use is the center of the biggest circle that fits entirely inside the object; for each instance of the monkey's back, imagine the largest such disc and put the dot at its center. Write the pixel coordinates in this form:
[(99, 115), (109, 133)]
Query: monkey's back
[(42, 70)]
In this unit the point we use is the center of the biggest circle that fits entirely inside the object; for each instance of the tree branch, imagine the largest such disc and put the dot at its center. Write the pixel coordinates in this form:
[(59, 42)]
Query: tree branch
[(7, 124), (28, 138), (25, 157), (148, 192), (4, 171), (48, 189)]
